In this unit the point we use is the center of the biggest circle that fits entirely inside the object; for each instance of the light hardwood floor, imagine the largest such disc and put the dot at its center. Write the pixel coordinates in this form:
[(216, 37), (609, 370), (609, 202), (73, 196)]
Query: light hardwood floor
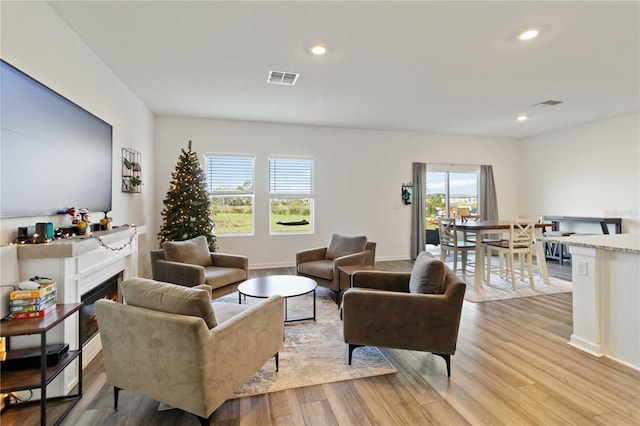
[(513, 366)]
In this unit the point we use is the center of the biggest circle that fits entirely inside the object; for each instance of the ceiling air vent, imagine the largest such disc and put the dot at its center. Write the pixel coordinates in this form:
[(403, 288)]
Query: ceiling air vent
[(549, 102), (281, 77)]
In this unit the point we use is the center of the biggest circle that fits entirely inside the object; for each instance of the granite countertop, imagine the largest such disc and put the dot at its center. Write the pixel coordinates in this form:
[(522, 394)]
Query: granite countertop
[(627, 243)]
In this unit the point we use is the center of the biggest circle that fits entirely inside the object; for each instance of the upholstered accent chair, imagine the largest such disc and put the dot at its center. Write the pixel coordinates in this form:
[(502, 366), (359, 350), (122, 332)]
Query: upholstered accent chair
[(418, 311), (170, 343), (321, 264), (190, 263)]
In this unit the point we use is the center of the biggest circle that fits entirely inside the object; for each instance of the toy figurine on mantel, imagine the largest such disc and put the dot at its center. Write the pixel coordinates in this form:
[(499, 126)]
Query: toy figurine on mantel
[(80, 219), (105, 223)]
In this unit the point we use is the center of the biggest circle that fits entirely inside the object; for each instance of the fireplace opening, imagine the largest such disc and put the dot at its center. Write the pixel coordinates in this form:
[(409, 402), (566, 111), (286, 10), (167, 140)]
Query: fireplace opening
[(108, 289)]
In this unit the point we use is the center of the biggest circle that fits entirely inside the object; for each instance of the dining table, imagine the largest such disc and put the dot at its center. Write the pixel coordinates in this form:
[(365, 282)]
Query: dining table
[(491, 227)]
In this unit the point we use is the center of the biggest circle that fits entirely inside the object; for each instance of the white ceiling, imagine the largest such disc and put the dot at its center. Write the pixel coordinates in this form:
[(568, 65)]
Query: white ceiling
[(436, 67)]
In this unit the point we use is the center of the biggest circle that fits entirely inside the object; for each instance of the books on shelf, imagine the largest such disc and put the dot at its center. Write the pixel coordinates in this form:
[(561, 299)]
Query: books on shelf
[(33, 303), (33, 314), (37, 304), (32, 294)]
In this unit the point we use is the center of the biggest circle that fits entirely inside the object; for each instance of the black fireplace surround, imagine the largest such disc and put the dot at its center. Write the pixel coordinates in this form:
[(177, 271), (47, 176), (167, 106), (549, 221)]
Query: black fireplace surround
[(108, 289)]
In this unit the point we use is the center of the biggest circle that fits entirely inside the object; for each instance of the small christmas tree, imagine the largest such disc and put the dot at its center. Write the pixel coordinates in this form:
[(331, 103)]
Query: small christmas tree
[(187, 212)]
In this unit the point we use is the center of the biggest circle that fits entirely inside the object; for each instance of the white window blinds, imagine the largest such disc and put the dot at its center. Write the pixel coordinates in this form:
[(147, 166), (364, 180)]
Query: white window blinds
[(227, 175), (291, 177)]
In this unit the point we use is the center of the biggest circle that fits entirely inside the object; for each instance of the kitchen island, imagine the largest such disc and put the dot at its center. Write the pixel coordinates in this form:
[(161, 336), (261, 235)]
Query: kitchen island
[(606, 295)]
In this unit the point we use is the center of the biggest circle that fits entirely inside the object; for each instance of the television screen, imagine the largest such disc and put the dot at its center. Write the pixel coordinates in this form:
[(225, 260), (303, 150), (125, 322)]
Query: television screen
[(53, 153)]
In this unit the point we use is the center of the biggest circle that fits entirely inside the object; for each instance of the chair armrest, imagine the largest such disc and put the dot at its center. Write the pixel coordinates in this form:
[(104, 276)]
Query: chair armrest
[(179, 273), (351, 259), (241, 345), (204, 287), (230, 261), (310, 255), (381, 280)]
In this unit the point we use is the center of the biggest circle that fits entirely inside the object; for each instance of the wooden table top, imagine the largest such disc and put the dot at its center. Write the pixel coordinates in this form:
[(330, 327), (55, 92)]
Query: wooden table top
[(19, 327), (283, 285), (481, 225)]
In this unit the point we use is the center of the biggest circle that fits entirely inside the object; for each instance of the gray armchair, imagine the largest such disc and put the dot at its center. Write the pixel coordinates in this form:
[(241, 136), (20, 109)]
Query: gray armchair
[(321, 264), (190, 263), (417, 311), (172, 344)]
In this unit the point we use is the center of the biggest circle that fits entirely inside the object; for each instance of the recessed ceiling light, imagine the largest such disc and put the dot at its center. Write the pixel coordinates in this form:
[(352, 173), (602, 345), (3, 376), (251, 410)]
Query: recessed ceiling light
[(528, 35), (522, 117), (319, 49)]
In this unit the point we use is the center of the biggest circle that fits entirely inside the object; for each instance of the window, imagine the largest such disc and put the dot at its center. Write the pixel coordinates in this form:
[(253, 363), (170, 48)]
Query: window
[(290, 195), (230, 186), (451, 190)]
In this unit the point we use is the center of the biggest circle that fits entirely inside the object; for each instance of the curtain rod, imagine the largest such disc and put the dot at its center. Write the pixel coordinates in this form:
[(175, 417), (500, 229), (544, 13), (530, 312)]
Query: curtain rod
[(457, 164)]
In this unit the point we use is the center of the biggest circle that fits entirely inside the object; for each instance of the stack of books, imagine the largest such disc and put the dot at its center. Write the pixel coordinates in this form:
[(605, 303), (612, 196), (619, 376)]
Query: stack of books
[(33, 303)]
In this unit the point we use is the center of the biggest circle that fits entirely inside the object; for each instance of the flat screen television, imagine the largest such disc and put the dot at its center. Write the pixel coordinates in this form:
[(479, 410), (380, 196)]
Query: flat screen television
[(54, 154)]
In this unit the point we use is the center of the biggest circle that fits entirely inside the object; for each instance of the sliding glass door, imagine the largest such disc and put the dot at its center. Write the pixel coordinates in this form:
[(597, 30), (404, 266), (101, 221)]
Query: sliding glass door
[(450, 193)]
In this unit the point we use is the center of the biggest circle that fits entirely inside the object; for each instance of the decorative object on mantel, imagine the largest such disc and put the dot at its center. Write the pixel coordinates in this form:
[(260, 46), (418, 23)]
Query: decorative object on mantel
[(406, 195), (106, 223), (80, 220), (131, 170), (187, 210)]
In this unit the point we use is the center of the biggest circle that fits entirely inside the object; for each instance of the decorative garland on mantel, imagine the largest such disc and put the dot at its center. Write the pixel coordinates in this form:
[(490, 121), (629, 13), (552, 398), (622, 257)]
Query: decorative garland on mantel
[(122, 247)]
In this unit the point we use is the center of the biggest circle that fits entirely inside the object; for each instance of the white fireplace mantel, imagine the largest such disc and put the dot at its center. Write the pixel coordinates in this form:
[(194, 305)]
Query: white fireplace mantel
[(77, 265)]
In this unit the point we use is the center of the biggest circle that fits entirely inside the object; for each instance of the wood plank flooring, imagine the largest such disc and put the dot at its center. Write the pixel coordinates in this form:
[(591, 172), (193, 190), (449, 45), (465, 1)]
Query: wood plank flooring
[(513, 366)]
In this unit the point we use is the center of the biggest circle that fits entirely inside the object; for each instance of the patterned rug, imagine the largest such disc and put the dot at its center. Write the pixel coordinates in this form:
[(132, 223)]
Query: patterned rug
[(314, 352)]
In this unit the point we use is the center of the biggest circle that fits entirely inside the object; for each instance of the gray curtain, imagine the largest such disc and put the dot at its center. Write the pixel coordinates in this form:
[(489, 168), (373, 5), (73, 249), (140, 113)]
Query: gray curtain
[(488, 199), (418, 209)]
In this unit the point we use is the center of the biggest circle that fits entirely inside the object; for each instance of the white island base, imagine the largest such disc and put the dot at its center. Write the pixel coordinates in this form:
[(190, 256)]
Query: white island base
[(606, 295)]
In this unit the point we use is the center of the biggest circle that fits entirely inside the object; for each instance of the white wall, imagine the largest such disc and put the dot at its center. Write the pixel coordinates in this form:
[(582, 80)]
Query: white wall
[(38, 42), (589, 170), (358, 174)]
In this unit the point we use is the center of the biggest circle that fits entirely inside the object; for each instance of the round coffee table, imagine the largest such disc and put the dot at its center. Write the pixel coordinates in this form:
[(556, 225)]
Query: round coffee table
[(282, 285)]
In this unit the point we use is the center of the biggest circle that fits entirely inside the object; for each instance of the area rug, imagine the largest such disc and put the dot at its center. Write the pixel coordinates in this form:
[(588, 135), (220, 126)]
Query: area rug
[(314, 352), (500, 289)]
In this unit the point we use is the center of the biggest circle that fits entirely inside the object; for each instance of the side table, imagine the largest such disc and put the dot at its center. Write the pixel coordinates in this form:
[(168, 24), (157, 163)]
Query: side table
[(39, 378)]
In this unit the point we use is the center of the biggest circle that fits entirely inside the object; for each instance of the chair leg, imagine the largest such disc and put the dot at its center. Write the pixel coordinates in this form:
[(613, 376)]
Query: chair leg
[(447, 359), (513, 272), (116, 393), (486, 258), (521, 259), (206, 421), (464, 262), (530, 255), (351, 349), (277, 357)]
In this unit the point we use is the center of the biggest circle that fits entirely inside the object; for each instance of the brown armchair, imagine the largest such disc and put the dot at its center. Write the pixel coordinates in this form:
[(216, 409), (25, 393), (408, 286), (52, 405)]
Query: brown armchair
[(417, 311), (321, 264), (189, 263)]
